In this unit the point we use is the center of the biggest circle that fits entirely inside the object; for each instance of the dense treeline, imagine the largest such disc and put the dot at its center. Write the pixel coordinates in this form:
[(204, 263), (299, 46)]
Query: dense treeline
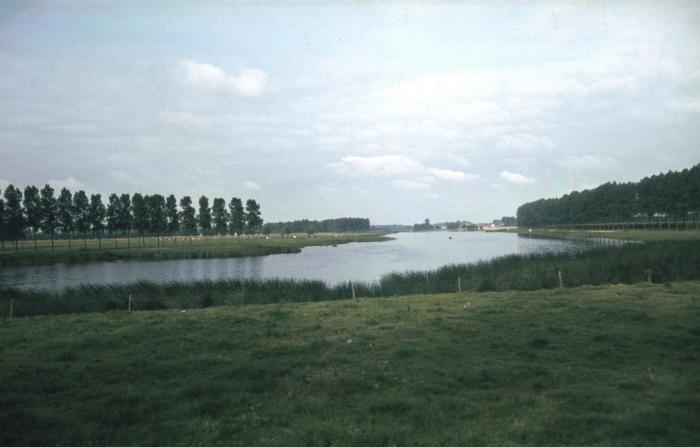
[(341, 225), (674, 195), (40, 213)]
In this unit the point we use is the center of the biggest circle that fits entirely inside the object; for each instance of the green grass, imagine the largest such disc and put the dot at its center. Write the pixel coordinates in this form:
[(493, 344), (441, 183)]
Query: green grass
[(170, 248), (598, 366), (668, 260), (633, 235)]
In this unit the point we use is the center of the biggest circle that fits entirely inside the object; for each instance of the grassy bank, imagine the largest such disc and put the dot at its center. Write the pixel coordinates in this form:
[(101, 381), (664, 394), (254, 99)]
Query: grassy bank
[(611, 365), (668, 261), (630, 235), (171, 248)]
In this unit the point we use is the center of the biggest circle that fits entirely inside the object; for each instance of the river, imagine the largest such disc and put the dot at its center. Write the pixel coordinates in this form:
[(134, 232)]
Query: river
[(366, 261)]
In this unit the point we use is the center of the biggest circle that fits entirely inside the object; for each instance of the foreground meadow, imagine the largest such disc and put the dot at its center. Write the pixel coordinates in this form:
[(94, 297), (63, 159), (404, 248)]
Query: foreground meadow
[(602, 365)]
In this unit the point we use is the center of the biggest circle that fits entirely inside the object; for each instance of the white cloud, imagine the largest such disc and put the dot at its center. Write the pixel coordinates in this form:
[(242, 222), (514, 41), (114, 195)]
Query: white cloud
[(410, 184), (252, 185), (496, 186), (249, 82), (588, 162), (383, 165), (527, 142), (453, 176), (71, 183), (518, 179)]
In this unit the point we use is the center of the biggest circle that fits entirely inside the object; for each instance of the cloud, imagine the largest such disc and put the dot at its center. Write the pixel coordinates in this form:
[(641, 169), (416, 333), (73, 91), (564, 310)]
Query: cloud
[(588, 162), (383, 165), (71, 183), (518, 179), (410, 184), (249, 82), (252, 185), (527, 142), (453, 176)]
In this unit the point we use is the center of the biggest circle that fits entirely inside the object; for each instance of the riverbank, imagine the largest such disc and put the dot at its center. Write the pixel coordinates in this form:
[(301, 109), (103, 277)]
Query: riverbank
[(656, 262), (168, 248), (607, 365), (629, 235)]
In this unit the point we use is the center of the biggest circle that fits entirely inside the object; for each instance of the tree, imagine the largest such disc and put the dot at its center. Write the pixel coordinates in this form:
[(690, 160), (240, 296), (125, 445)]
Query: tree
[(126, 218), (236, 216), (14, 217), (204, 216), (157, 221), (172, 215), (65, 213), (49, 212), (140, 216), (32, 210), (81, 214), (252, 216), (112, 215), (220, 216), (96, 215), (3, 225), (187, 216)]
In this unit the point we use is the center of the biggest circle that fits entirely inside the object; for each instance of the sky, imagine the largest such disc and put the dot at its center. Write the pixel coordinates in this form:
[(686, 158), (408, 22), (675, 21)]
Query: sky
[(393, 111)]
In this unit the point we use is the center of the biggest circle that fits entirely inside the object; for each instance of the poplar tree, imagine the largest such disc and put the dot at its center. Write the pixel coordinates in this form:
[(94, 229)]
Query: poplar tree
[(187, 217), (157, 222), (140, 213), (112, 216), (14, 220), (49, 212), (65, 213), (236, 216), (3, 230), (126, 218), (252, 216), (32, 210), (204, 216), (81, 214), (220, 216), (172, 215), (96, 214)]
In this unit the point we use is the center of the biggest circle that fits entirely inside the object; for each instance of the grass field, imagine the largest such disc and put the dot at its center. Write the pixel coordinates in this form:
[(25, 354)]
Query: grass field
[(152, 248), (607, 365)]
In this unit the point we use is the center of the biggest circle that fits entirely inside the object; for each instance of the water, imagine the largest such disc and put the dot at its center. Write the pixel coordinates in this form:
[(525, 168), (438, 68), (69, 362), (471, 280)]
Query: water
[(365, 261)]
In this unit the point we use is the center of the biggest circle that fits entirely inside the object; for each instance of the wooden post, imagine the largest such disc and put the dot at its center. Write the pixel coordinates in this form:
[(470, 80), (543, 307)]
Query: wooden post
[(12, 306), (561, 280), (459, 284), (648, 272), (354, 297), (131, 302)]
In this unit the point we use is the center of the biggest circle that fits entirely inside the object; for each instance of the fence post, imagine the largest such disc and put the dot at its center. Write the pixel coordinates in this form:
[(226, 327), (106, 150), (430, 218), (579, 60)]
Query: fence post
[(459, 284), (354, 297), (648, 272), (12, 306), (131, 302), (561, 280)]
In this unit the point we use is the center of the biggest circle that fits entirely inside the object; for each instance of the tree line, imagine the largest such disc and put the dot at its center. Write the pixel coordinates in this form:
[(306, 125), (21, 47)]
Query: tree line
[(41, 212), (675, 195), (340, 225)]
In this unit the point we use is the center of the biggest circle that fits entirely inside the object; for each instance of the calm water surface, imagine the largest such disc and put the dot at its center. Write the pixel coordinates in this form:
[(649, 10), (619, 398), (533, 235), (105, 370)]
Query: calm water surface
[(365, 261)]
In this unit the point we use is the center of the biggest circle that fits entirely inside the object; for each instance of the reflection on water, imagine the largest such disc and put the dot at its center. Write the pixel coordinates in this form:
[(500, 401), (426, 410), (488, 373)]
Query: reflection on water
[(366, 261)]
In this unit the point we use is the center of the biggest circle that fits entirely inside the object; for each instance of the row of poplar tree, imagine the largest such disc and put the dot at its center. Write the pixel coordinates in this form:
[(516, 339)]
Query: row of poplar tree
[(40, 212)]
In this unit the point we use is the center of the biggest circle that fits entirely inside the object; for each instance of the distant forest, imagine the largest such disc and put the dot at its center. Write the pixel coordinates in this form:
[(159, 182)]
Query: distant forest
[(341, 225), (673, 195), (40, 213)]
